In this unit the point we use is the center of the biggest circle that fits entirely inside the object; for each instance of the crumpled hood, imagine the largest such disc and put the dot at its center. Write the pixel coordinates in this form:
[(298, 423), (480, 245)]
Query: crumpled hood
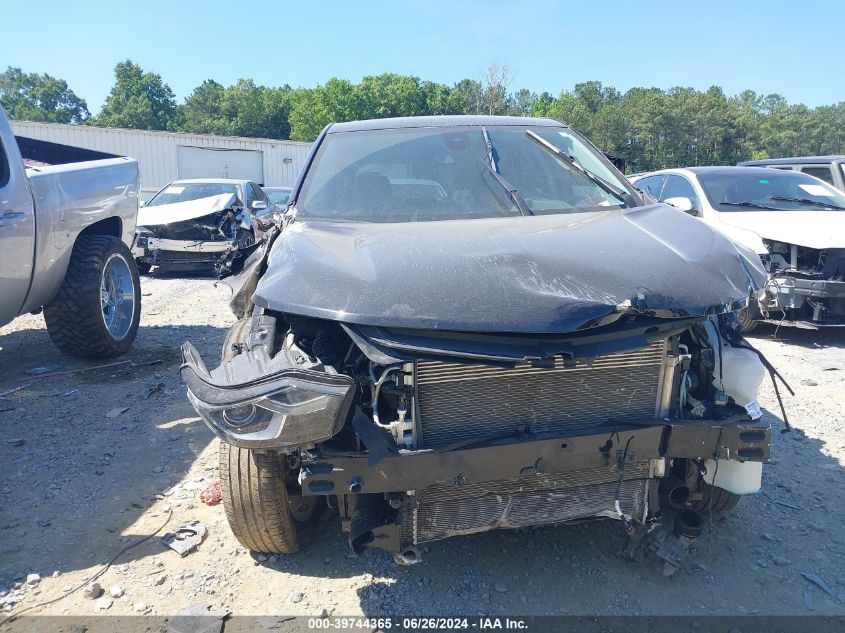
[(181, 211), (538, 274), (813, 229)]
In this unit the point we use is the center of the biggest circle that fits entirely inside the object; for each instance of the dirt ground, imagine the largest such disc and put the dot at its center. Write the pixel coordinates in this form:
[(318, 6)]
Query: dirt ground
[(95, 460)]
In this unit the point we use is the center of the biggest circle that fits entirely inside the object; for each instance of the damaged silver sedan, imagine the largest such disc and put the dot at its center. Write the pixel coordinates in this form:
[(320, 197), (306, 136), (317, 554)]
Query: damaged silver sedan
[(472, 323), (202, 224)]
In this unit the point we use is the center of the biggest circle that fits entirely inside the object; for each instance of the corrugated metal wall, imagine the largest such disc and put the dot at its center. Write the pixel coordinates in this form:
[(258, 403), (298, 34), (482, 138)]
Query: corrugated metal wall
[(156, 151)]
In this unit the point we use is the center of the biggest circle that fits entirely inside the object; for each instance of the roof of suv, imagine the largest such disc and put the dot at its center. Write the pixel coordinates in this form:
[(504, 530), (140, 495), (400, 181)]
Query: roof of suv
[(440, 121), (714, 169), (794, 160)]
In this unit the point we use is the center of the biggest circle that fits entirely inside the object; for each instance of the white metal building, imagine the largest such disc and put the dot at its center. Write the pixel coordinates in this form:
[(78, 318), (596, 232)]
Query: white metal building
[(167, 156)]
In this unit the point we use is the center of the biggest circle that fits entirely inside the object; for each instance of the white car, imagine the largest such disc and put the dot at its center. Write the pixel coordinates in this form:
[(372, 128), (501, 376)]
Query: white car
[(794, 221), (202, 223)]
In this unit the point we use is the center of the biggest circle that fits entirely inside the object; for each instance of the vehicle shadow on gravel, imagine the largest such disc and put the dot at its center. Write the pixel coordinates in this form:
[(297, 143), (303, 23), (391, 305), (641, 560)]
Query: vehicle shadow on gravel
[(86, 453), (812, 339)]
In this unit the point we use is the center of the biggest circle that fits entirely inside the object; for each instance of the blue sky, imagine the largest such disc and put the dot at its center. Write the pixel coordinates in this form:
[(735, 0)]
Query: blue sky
[(550, 45)]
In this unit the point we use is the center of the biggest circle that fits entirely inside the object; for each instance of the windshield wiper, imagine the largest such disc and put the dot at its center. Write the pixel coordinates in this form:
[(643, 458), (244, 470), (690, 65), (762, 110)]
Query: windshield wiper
[(753, 205), (570, 161), (493, 167), (818, 203)]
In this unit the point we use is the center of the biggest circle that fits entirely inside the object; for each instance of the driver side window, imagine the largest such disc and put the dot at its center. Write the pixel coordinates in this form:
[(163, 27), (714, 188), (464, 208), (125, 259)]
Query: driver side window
[(651, 185), (259, 193), (250, 196), (680, 187)]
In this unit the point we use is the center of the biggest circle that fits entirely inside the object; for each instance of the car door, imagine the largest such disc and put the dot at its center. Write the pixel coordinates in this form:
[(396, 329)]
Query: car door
[(679, 187), (17, 228), (822, 172)]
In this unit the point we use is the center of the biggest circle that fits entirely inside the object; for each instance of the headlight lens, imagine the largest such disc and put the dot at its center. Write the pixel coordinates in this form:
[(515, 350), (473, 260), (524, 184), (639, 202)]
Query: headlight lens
[(286, 407), (239, 416), (256, 415)]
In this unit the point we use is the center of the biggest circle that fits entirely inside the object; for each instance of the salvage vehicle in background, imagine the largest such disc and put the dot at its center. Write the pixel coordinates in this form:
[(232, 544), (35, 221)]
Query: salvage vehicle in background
[(471, 323), (65, 231), (202, 223), (794, 221), (831, 169), (278, 195)]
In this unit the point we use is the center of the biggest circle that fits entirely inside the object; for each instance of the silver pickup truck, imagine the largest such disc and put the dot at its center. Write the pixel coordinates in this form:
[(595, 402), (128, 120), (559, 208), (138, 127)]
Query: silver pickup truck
[(65, 232)]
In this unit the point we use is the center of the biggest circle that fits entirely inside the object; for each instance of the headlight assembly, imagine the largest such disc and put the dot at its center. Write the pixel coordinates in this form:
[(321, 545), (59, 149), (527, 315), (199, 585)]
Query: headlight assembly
[(255, 401)]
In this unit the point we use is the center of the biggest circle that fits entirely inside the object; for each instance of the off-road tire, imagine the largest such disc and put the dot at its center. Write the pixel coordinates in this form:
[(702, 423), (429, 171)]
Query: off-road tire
[(75, 316), (715, 500), (254, 487)]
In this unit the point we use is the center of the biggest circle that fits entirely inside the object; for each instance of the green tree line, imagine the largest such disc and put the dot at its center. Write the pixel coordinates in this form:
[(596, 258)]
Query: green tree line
[(649, 128)]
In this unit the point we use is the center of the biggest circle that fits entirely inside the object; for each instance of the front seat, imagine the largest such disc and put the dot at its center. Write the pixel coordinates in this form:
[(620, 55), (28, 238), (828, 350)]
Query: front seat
[(372, 193)]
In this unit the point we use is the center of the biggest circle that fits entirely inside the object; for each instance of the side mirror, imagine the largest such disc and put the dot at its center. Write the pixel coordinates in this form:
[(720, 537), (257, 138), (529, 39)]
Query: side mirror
[(683, 203), (259, 205)]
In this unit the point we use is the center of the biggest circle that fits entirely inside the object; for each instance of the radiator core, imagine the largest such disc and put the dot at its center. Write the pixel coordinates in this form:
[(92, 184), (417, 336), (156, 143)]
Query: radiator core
[(461, 402)]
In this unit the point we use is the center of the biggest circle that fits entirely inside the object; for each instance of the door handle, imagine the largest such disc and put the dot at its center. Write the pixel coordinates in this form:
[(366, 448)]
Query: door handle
[(10, 217)]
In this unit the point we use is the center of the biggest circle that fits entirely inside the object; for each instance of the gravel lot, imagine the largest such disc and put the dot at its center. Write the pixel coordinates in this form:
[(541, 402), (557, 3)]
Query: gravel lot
[(84, 456)]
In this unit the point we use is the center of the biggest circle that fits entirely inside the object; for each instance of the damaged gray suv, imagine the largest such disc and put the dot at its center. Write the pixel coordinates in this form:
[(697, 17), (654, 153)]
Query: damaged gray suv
[(469, 323)]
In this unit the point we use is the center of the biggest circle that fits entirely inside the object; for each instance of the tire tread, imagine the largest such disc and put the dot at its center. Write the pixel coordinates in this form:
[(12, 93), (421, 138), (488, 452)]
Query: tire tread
[(255, 501), (74, 316), (254, 490)]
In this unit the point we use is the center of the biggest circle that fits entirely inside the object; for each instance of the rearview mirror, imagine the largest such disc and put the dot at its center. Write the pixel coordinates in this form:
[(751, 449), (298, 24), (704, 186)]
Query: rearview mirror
[(259, 205), (683, 203)]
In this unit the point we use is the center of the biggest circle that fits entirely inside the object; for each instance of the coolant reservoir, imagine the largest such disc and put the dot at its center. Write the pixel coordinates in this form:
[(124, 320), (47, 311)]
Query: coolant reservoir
[(740, 478), (742, 373)]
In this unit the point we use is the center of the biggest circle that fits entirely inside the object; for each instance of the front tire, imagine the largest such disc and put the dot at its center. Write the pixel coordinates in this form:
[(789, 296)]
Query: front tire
[(261, 502), (261, 496), (97, 310)]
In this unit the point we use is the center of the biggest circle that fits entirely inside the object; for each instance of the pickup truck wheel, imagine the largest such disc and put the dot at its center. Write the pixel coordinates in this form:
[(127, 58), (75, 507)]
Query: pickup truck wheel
[(715, 499), (98, 307), (261, 496)]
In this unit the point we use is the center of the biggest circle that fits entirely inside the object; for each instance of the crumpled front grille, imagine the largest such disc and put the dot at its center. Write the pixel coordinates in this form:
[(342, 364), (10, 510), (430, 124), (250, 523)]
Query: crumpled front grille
[(443, 511), (460, 402)]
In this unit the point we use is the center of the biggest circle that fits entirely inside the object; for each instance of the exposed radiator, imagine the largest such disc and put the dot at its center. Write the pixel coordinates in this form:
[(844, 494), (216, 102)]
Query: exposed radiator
[(460, 402), (443, 511)]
